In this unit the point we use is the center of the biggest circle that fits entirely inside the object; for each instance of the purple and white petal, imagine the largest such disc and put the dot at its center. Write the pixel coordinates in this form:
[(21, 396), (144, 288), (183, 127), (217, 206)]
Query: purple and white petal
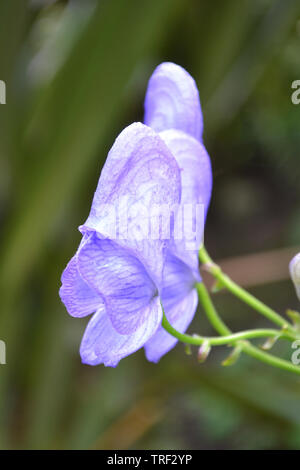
[(140, 174), (172, 101), (195, 167), (179, 300), (121, 280), (79, 298), (101, 344), (178, 281), (180, 316), (196, 187)]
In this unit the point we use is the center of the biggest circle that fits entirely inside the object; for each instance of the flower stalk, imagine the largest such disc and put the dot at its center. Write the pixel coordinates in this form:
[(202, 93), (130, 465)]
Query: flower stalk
[(239, 341), (230, 339), (241, 293)]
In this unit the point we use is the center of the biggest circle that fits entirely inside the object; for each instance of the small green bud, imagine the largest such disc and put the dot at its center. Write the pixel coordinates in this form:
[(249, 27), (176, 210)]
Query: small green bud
[(188, 349), (233, 356), (217, 286), (269, 343)]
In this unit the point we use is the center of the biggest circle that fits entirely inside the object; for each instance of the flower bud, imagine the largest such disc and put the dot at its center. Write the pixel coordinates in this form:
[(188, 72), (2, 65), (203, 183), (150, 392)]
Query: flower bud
[(188, 349), (233, 356), (203, 351), (295, 273)]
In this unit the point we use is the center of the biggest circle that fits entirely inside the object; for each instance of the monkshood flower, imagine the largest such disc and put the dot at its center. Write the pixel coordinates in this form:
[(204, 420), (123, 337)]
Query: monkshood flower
[(123, 280), (295, 273)]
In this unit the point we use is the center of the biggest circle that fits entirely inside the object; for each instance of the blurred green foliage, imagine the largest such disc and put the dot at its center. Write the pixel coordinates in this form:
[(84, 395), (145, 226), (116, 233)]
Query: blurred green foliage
[(76, 74)]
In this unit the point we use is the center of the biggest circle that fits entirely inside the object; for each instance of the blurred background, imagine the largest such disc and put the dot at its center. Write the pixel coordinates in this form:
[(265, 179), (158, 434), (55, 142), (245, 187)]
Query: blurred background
[(76, 73)]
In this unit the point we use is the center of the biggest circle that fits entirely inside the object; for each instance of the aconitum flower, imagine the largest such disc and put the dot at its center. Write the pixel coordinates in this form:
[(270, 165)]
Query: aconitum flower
[(123, 278), (295, 273)]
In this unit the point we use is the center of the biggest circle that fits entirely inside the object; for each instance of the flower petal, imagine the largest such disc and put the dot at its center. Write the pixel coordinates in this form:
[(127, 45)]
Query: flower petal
[(102, 344), (121, 280), (140, 173), (79, 298), (195, 167), (179, 280), (196, 187), (179, 300), (180, 316), (172, 101)]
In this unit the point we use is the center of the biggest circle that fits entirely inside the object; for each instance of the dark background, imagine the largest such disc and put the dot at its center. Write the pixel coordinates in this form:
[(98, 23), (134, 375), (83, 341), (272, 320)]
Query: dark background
[(76, 74)]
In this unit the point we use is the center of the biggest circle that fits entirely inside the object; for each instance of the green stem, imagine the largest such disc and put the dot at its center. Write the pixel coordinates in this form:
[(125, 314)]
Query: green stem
[(247, 348), (269, 358), (241, 293), (197, 340), (210, 310)]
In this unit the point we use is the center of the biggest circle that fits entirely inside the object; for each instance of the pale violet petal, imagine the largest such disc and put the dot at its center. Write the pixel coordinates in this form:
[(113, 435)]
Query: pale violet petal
[(121, 280), (179, 300), (172, 101), (101, 344), (196, 187), (180, 316), (140, 174), (79, 298)]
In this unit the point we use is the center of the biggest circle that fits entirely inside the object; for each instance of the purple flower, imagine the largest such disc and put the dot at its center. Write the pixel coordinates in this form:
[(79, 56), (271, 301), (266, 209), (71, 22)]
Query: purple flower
[(122, 277)]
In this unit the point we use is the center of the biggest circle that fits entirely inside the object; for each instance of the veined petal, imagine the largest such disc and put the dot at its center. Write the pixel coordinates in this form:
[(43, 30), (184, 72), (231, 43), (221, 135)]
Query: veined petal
[(178, 281), (179, 300), (79, 298), (102, 344), (196, 187), (195, 167), (140, 174), (121, 280), (172, 101), (180, 316)]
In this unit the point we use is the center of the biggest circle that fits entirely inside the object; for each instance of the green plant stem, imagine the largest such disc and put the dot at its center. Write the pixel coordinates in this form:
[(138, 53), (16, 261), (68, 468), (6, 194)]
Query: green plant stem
[(241, 293), (210, 310), (269, 358), (247, 348), (197, 340), (236, 339)]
